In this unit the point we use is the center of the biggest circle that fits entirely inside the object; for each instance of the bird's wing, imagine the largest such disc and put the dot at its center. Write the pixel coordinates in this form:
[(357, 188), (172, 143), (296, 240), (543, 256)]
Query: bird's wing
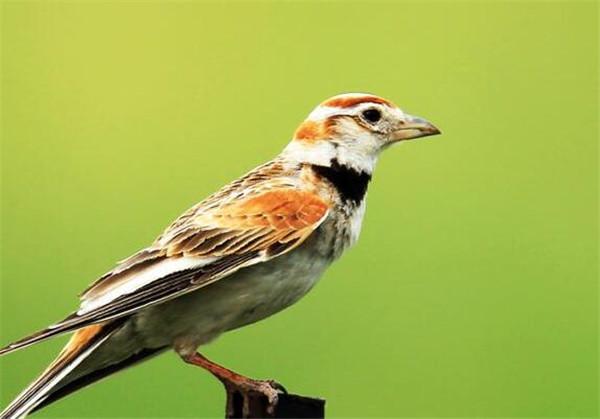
[(213, 242), (206, 244)]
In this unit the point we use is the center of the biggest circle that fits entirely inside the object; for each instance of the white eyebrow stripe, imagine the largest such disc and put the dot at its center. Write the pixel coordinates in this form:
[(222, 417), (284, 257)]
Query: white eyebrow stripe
[(324, 112)]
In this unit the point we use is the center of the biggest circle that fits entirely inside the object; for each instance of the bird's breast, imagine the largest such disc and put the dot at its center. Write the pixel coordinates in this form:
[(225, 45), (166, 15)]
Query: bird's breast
[(341, 229)]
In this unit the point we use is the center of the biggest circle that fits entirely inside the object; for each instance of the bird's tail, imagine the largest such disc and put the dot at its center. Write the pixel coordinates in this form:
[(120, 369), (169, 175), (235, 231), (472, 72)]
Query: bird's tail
[(83, 343)]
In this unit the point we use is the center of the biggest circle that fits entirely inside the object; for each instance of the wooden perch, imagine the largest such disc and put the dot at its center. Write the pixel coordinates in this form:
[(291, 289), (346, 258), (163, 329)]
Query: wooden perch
[(241, 404)]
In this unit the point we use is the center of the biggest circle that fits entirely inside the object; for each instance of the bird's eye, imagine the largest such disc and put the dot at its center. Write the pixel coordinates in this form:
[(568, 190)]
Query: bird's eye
[(372, 115)]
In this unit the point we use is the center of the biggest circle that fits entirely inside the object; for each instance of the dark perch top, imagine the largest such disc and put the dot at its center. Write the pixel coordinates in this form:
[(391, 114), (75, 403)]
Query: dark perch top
[(287, 406)]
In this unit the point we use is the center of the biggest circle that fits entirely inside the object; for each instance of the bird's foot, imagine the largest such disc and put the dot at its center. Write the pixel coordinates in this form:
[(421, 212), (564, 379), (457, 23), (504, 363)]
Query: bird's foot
[(268, 388), (252, 392), (244, 395)]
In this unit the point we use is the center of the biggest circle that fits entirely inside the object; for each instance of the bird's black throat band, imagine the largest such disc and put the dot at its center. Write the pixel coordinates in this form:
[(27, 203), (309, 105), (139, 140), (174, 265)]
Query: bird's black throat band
[(350, 183)]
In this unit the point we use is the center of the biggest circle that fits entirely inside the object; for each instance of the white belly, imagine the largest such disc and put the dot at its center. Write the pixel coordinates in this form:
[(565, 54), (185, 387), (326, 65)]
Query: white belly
[(245, 297)]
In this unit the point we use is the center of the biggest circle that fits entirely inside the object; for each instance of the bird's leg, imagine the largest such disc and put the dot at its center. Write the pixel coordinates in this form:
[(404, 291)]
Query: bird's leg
[(247, 387)]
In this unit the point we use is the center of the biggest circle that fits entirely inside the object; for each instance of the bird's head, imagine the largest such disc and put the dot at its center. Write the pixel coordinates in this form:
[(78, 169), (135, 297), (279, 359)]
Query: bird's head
[(352, 129)]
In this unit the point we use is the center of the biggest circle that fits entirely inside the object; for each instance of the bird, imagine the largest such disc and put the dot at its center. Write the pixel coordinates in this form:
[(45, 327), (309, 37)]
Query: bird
[(244, 253)]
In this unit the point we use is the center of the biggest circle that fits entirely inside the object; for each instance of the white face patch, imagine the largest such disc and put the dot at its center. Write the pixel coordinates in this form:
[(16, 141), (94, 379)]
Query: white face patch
[(353, 143), (357, 148)]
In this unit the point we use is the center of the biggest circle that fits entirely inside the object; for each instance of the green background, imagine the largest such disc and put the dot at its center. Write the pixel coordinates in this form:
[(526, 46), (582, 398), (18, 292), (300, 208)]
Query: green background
[(473, 289)]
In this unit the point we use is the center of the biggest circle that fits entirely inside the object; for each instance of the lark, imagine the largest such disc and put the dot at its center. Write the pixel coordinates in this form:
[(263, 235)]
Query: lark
[(246, 252)]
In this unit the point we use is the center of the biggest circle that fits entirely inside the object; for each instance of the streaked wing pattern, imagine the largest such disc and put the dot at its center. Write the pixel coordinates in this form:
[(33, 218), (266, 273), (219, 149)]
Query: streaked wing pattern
[(230, 237)]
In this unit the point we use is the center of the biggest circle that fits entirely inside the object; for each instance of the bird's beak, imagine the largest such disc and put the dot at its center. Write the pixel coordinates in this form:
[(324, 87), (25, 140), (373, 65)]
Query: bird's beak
[(410, 127)]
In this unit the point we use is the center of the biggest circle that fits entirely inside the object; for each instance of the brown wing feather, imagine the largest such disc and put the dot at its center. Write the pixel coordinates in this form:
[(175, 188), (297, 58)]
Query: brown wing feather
[(255, 223)]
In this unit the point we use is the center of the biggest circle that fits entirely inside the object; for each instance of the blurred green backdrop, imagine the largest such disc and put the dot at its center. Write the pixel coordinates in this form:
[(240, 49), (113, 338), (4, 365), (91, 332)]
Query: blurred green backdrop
[(472, 291)]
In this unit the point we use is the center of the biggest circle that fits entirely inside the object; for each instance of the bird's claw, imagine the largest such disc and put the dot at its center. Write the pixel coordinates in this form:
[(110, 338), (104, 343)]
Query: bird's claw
[(251, 390), (277, 386), (268, 388)]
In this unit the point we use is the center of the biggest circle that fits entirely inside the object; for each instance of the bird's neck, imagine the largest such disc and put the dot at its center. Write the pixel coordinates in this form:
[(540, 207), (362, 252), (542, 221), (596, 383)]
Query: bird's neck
[(350, 183), (362, 157)]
